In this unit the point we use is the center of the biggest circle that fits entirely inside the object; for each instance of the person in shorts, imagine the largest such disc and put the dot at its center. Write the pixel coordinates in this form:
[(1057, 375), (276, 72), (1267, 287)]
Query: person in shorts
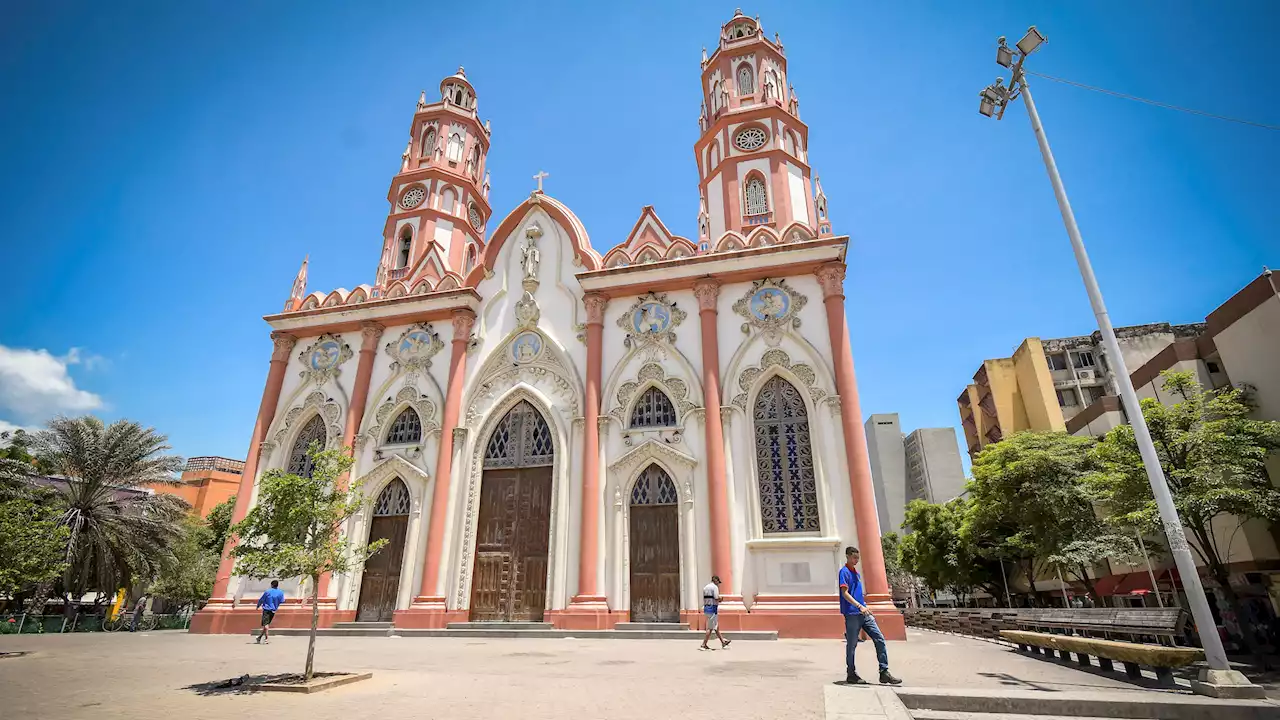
[(711, 611), (269, 603)]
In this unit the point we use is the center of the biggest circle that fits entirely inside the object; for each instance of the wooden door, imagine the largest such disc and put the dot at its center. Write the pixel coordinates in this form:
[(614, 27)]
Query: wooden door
[(512, 537), (654, 535), (381, 581)]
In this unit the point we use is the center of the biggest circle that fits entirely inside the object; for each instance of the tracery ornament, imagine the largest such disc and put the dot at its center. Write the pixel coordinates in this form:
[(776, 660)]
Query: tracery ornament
[(408, 397), (323, 357), (317, 405), (650, 453), (772, 359), (653, 410), (393, 500), (651, 375), (784, 460), (770, 307), (473, 215), (751, 138), (413, 197), (530, 358), (521, 439), (757, 198), (300, 461), (651, 317), (413, 350), (654, 487)]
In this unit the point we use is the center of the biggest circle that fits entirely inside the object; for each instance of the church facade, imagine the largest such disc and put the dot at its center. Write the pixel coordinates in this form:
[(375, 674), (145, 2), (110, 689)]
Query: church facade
[(548, 433)]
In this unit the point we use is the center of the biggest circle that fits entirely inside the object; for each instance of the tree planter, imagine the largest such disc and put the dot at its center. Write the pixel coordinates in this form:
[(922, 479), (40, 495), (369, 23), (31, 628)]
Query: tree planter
[(319, 681)]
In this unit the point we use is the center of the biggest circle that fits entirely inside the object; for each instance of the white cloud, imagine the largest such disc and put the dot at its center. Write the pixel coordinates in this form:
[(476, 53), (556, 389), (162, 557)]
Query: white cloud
[(6, 426), (35, 384)]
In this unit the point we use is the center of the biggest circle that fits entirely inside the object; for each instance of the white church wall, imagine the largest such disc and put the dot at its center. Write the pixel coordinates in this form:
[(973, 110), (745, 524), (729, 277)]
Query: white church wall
[(795, 186)]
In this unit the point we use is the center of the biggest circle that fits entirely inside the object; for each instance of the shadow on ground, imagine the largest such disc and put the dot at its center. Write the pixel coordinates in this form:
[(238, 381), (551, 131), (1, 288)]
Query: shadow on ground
[(243, 685)]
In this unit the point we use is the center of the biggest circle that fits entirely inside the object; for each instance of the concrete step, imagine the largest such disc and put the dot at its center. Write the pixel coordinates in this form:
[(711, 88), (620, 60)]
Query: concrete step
[(1097, 703), (632, 626), (953, 715), (501, 632), (499, 626), (333, 632), (362, 625)]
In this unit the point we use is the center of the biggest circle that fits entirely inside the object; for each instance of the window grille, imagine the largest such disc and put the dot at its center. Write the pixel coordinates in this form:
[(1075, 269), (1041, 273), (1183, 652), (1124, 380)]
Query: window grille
[(784, 460), (521, 439), (746, 80), (393, 500), (300, 463), (406, 429), (653, 409), (654, 487), (757, 200)]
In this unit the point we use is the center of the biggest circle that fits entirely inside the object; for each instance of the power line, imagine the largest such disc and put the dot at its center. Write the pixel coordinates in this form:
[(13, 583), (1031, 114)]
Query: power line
[(1167, 106)]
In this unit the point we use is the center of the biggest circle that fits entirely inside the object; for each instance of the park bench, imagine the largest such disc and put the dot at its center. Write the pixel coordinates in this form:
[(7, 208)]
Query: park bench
[(1091, 631)]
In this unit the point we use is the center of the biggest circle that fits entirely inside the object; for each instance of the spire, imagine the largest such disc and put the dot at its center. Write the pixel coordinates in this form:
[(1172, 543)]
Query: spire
[(820, 205), (422, 101), (704, 54), (404, 156), (299, 290)]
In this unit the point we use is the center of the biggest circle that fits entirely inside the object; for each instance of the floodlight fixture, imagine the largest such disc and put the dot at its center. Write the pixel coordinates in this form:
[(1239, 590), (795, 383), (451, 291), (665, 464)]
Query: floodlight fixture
[(1031, 41), (1004, 56)]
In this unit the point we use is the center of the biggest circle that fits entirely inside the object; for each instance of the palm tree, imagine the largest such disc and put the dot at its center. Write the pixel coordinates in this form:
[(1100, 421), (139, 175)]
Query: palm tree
[(118, 536)]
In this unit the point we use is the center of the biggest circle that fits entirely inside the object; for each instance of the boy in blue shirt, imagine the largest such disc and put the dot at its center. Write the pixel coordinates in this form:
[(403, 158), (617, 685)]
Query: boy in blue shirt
[(269, 602), (857, 619)]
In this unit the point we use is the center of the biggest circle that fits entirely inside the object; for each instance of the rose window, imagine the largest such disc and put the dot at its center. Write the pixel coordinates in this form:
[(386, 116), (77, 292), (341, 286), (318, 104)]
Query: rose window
[(413, 197), (752, 138), (473, 215)]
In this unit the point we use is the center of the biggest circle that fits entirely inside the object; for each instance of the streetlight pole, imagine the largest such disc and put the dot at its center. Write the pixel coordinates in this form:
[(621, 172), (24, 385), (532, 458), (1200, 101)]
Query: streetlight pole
[(1219, 680)]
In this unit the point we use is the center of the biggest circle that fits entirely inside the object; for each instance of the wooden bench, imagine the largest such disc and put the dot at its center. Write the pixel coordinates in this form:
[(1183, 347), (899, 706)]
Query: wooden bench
[(1164, 625), (1133, 655)]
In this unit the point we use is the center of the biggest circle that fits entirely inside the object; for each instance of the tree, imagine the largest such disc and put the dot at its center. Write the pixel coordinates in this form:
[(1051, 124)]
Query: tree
[(900, 578), (295, 529), (32, 544), (1030, 497), (117, 534), (219, 523), (939, 554), (1213, 456), (188, 577)]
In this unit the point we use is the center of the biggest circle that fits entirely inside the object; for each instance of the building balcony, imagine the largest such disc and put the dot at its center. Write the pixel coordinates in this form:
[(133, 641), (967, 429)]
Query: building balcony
[(397, 274), (759, 219)]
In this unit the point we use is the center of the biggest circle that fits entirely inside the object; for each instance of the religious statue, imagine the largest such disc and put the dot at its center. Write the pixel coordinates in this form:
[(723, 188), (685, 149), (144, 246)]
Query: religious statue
[(771, 305), (529, 255)]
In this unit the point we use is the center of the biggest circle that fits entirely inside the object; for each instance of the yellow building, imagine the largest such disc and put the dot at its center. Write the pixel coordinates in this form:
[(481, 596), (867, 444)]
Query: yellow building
[(1009, 395)]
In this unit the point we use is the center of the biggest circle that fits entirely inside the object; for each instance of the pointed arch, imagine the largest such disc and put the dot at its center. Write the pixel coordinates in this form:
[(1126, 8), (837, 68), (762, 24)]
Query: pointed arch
[(730, 241), (313, 301), (520, 216), (786, 475), (653, 486), (426, 146), (450, 281), (335, 298), (755, 194), (393, 499), (397, 289), (796, 232), (405, 429), (453, 150), (404, 248), (763, 236), (312, 431), (653, 408), (359, 295), (617, 257), (745, 76)]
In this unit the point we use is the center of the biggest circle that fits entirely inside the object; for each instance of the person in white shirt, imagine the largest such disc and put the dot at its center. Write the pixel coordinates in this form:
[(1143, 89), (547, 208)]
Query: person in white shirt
[(711, 611)]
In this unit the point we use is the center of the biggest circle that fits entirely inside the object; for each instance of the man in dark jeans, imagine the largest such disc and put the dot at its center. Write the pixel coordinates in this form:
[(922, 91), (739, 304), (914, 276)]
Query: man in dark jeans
[(858, 618)]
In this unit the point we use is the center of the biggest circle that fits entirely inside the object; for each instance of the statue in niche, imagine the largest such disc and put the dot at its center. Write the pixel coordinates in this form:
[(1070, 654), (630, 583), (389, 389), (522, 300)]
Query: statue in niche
[(529, 255)]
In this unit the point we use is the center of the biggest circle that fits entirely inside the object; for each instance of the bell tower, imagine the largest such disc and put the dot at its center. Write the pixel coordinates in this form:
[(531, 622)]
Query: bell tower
[(752, 154), (440, 198)]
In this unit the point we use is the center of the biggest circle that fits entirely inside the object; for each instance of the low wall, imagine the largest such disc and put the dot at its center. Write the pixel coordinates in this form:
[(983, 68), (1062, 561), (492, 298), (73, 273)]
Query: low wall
[(978, 622)]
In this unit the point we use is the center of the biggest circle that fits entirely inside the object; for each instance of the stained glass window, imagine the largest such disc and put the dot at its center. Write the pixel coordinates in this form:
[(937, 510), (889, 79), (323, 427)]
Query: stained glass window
[(653, 409), (299, 461), (757, 200), (393, 500), (428, 142), (406, 429), (654, 487), (521, 439), (784, 460), (746, 80)]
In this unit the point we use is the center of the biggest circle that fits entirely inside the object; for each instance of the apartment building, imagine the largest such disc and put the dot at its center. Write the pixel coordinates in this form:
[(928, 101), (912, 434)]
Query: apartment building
[(922, 465)]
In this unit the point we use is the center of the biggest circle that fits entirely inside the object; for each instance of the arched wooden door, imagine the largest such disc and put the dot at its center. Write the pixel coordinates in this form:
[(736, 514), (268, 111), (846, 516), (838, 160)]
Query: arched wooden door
[(513, 533), (654, 532), (381, 582)]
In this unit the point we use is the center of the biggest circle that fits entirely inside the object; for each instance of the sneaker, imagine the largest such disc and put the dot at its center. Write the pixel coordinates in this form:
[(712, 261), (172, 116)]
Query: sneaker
[(258, 640), (854, 680), (725, 644), (703, 647), (887, 678)]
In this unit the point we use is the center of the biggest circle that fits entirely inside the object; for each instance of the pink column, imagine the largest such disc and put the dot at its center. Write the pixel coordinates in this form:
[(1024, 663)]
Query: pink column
[(370, 333), (284, 343), (708, 292), (588, 610), (463, 320), (831, 278)]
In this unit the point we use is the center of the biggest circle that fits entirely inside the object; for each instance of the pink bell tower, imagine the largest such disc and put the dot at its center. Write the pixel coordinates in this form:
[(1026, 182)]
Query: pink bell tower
[(440, 198), (753, 160)]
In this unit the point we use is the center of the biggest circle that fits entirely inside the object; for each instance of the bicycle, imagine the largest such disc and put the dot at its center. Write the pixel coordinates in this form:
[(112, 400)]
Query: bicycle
[(124, 621)]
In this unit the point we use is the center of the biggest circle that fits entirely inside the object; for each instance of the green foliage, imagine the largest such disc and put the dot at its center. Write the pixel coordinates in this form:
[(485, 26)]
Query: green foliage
[(1030, 503), (116, 537), (938, 553), (188, 577), (1213, 456), (295, 528), (219, 523), (32, 544), (900, 578), (16, 445)]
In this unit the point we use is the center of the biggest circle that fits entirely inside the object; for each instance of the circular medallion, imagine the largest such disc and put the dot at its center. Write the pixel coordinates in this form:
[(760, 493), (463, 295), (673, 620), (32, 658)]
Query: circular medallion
[(651, 318), (752, 138), (413, 197), (325, 355), (415, 343), (526, 347), (473, 215), (770, 303)]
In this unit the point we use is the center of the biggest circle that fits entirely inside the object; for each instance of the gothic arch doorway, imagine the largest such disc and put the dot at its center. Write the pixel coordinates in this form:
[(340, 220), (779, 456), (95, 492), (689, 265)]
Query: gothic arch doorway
[(509, 583), (654, 532), (381, 582)]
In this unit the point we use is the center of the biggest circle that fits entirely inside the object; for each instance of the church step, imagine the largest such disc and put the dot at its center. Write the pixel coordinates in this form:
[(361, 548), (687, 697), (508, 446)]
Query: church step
[(358, 625), (499, 626), (500, 632), (634, 626), (331, 632)]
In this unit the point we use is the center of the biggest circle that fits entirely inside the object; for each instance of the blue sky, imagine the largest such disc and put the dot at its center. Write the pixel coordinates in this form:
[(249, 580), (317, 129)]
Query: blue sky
[(166, 166)]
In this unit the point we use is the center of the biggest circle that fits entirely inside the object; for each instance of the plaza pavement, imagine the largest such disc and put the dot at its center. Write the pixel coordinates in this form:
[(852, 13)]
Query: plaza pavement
[(99, 675)]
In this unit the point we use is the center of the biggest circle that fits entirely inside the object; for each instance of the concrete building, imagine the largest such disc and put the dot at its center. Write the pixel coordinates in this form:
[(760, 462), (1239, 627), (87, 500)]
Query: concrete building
[(206, 482), (924, 465), (934, 470), (1009, 395)]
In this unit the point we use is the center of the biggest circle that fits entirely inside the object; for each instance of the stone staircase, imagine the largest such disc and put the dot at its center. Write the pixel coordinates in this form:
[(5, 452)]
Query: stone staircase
[(622, 631)]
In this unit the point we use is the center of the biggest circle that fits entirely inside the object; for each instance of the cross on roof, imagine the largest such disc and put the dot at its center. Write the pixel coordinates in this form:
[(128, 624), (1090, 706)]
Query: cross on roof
[(539, 178)]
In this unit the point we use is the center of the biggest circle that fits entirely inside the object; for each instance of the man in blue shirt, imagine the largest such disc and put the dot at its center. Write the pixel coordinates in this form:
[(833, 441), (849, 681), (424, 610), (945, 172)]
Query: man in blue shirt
[(269, 602), (858, 619)]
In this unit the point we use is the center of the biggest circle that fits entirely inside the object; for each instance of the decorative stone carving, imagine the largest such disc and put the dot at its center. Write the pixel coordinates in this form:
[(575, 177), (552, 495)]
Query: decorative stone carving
[(770, 307), (323, 357), (408, 396), (370, 333), (707, 292), (623, 470), (316, 402), (527, 311), (652, 317), (413, 351), (595, 304), (526, 347), (653, 374), (504, 369), (463, 321), (282, 345), (833, 404), (778, 358), (530, 257), (831, 278)]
